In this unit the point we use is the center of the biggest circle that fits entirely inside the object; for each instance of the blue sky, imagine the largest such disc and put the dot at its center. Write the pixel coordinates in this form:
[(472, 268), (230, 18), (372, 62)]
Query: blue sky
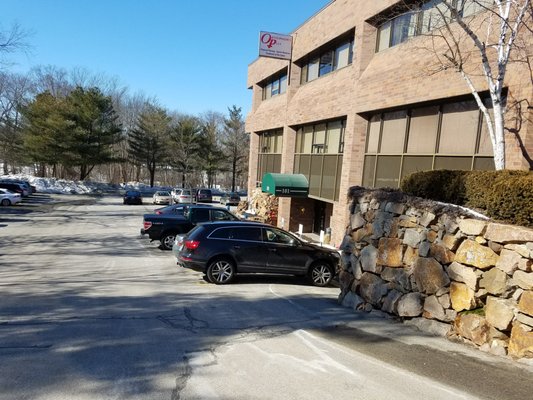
[(190, 54)]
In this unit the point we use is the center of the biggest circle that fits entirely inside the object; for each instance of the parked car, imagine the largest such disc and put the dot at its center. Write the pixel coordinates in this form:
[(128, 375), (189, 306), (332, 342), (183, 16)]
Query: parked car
[(184, 196), (177, 209), (165, 227), (14, 187), (29, 189), (231, 199), (204, 196), (161, 197), (133, 197), (222, 250), (8, 198)]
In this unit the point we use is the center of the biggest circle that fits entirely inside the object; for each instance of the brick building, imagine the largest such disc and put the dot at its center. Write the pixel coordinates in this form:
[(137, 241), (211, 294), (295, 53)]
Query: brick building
[(360, 103)]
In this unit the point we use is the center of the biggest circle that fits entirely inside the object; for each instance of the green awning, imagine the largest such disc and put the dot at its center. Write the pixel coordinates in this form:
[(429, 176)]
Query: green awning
[(285, 185)]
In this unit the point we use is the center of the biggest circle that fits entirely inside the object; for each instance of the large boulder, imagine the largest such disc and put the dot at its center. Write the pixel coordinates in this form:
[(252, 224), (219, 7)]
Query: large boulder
[(410, 305), (440, 253), (499, 312), (472, 253), (372, 288), (508, 233), (461, 273), (494, 281), (462, 297), (508, 261), (472, 227), (369, 257), (429, 275), (521, 343), (526, 303), (523, 279), (473, 327), (390, 252), (433, 309)]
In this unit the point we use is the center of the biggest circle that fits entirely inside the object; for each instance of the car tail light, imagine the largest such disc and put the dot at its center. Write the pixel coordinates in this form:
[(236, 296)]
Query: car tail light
[(192, 244), (147, 225), (158, 212)]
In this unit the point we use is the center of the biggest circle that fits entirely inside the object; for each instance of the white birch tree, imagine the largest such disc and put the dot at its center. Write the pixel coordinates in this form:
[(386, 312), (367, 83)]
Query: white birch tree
[(495, 32)]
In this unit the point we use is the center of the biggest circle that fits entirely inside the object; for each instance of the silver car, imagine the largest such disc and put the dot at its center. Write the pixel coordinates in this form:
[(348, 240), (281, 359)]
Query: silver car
[(184, 196), (161, 197)]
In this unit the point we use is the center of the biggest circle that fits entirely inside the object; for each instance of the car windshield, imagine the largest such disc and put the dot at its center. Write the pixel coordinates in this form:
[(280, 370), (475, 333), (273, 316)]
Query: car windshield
[(163, 193), (133, 193)]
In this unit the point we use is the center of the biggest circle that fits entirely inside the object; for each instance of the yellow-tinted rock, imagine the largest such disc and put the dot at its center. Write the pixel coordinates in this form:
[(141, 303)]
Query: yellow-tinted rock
[(410, 255), (521, 343), (441, 253), (472, 227), (472, 253), (462, 297), (390, 252), (432, 236), (526, 303)]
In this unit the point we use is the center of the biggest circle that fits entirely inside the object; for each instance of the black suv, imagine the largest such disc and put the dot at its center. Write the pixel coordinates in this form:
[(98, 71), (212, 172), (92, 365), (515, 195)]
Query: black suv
[(223, 249)]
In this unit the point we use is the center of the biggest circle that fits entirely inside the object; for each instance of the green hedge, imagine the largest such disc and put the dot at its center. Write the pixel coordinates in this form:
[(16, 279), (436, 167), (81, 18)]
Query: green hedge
[(502, 195)]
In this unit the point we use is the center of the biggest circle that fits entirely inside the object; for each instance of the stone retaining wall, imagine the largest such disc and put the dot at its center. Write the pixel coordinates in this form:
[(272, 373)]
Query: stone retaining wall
[(417, 259)]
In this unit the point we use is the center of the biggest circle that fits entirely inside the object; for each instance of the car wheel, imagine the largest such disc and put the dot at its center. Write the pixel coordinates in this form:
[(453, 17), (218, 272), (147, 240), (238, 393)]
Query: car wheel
[(321, 274), (167, 241), (221, 271), (5, 202)]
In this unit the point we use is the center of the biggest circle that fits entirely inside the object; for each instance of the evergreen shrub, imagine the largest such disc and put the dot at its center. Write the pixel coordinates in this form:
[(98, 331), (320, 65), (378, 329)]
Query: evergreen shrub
[(502, 195)]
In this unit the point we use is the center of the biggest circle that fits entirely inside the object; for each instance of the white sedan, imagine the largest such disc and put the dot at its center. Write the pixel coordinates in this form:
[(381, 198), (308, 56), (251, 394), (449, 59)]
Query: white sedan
[(8, 198), (161, 197)]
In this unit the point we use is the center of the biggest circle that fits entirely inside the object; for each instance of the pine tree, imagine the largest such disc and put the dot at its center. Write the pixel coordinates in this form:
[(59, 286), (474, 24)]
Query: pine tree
[(149, 141), (236, 143)]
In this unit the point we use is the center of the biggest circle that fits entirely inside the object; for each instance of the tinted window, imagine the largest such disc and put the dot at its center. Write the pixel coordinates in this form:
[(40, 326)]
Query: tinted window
[(221, 215), (277, 236), (221, 233), (199, 215), (247, 233)]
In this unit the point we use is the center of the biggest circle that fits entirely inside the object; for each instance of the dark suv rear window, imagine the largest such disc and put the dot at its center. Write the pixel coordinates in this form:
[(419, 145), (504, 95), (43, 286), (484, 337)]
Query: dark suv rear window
[(247, 233)]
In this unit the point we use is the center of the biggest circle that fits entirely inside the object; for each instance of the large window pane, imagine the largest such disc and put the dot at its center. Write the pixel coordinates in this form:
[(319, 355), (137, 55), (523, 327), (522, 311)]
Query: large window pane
[(342, 55), (315, 176), (459, 163), (328, 181), (393, 134), (368, 171), (307, 139), (278, 142), (434, 15), (388, 171), (319, 141), (484, 164), (403, 27), (374, 126), (384, 32), (312, 70), (283, 84), (326, 63), (275, 87), (305, 165), (338, 180), (471, 7), (459, 128), (485, 144), (268, 91), (299, 134), (334, 136), (416, 164), (423, 130), (304, 78)]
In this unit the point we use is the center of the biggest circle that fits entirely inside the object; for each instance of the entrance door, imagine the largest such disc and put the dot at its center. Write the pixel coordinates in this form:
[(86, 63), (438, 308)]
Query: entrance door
[(319, 221)]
